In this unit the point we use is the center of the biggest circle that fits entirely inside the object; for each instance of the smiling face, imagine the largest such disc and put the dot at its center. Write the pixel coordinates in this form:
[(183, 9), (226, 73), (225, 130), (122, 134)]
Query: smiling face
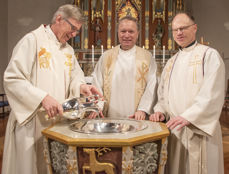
[(127, 34), (184, 30), (65, 29)]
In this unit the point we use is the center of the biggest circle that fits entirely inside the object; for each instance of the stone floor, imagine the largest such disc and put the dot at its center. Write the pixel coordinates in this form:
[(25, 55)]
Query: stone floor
[(224, 123)]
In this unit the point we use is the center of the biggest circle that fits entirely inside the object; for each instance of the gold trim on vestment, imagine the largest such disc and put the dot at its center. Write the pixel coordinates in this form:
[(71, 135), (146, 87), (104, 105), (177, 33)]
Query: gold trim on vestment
[(44, 58)]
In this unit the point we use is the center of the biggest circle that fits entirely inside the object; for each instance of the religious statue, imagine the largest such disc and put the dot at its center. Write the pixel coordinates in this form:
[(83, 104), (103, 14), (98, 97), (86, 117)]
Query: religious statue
[(158, 34), (97, 28)]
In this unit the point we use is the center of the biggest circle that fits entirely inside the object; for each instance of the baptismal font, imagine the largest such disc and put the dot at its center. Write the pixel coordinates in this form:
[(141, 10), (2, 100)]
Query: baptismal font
[(110, 146)]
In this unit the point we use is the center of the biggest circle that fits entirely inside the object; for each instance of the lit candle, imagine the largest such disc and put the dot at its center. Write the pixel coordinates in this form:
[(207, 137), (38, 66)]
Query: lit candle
[(163, 54), (93, 56), (101, 49), (154, 52), (112, 47), (143, 47)]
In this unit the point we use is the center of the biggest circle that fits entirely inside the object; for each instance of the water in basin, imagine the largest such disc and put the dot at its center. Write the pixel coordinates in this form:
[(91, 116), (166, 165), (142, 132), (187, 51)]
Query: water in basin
[(101, 126)]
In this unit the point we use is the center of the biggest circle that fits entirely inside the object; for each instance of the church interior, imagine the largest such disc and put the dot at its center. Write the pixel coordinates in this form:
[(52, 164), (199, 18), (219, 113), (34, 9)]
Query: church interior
[(99, 34)]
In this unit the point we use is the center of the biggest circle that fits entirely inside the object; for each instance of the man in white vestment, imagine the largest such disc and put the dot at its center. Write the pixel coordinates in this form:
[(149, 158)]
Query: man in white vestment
[(126, 75), (43, 72), (190, 99)]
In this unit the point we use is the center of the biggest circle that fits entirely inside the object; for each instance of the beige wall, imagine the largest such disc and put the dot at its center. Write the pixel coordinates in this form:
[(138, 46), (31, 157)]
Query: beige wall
[(18, 18), (3, 40), (211, 17)]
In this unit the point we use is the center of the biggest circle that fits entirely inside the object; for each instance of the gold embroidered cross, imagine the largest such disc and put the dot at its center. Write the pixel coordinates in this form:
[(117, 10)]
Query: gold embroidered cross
[(194, 64), (69, 62), (144, 69)]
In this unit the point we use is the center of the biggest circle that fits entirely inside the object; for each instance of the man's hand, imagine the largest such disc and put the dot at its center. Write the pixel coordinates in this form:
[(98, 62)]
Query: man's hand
[(175, 121), (89, 90), (51, 106), (96, 114), (157, 116), (139, 115)]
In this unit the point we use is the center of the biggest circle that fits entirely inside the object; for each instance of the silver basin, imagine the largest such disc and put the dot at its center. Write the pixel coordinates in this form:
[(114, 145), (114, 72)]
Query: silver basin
[(101, 126)]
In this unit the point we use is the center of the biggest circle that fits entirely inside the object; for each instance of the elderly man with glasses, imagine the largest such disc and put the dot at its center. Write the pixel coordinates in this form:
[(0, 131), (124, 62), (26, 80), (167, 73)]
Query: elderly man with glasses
[(43, 72), (190, 99)]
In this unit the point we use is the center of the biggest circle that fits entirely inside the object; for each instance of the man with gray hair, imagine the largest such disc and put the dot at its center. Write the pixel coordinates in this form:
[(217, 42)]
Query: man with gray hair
[(43, 72)]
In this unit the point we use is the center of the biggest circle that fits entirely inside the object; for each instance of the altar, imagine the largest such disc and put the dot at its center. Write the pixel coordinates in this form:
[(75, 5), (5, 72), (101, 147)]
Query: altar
[(105, 146)]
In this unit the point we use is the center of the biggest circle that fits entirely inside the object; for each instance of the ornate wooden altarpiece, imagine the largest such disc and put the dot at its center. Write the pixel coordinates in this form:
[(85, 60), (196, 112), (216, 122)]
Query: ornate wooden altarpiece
[(154, 17)]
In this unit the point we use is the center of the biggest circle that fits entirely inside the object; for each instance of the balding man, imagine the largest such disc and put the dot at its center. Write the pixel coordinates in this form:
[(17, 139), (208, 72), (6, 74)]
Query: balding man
[(191, 96)]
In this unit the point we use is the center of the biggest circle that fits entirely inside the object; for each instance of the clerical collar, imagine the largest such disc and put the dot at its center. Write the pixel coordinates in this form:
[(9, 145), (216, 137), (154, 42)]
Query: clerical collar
[(191, 44)]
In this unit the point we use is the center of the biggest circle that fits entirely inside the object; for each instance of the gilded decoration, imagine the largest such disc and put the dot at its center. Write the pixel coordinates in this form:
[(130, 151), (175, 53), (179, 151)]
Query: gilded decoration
[(72, 163), (77, 2), (170, 14), (127, 160), (68, 63), (85, 13), (108, 43), (128, 9), (170, 44), (180, 5), (96, 166), (158, 9), (118, 2), (147, 43), (109, 13), (142, 72), (86, 43), (139, 3), (147, 13), (44, 58), (97, 9)]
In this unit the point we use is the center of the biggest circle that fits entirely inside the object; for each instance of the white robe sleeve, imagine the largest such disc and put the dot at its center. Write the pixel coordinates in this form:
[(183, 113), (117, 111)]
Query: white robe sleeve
[(24, 98), (160, 105), (98, 78), (205, 111), (77, 79), (149, 96)]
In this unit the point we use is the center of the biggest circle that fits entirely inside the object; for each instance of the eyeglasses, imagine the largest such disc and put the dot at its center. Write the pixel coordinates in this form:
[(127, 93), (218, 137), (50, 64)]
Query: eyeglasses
[(181, 29), (73, 28)]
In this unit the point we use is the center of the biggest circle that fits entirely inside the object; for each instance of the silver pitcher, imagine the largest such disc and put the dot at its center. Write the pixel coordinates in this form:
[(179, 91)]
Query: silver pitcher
[(76, 107)]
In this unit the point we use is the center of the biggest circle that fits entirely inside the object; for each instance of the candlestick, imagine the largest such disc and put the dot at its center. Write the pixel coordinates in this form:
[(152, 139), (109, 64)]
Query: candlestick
[(93, 56), (154, 52), (163, 54), (101, 49)]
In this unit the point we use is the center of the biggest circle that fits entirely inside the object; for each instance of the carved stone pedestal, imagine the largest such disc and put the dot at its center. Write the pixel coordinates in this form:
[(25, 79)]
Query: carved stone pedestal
[(106, 147)]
